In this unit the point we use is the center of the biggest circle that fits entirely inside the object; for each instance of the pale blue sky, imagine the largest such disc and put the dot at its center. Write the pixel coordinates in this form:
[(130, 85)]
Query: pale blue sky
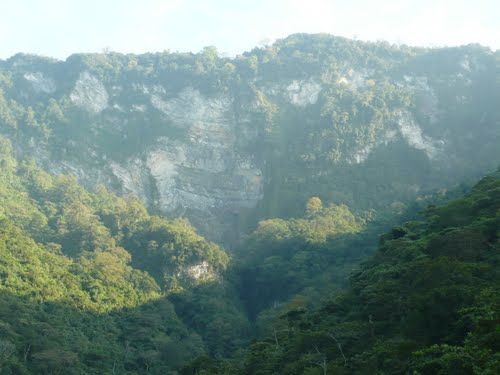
[(58, 28)]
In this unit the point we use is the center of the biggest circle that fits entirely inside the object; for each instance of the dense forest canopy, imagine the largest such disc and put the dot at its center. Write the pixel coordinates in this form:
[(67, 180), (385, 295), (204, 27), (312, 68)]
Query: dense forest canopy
[(427, 302), (305, 208), (88, 281), (91, 283)]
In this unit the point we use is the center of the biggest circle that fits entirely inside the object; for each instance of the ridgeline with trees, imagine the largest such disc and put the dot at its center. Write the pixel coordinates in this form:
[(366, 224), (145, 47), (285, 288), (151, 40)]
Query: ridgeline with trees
[(307, 207)]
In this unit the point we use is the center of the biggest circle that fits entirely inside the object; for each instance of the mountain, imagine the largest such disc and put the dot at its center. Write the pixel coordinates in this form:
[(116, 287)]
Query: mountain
[(189, 213), (226, 142)]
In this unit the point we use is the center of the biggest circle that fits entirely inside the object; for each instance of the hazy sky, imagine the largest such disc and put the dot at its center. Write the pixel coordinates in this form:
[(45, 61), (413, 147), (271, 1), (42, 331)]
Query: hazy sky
[(60, 27)]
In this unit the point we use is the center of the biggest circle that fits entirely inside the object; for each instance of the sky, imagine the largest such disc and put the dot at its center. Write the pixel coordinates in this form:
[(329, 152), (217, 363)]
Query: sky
[(58, 28)]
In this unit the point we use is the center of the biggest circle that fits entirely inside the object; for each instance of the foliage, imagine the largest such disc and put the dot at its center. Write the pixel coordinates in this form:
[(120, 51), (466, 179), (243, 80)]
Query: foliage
[(283, 257), (427, 302), (87, 281), (92, 283)]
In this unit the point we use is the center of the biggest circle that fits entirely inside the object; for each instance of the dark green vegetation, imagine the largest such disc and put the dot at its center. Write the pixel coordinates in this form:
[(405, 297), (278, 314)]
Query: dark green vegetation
[(84, 281), (427, 302), (91, 283), (301, 155)]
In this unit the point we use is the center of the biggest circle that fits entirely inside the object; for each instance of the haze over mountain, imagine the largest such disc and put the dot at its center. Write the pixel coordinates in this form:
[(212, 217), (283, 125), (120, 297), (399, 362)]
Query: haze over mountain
[(224, 142), (160, 211)]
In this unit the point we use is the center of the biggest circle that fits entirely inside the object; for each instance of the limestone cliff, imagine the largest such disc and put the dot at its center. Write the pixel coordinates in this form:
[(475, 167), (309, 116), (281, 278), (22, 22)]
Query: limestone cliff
[(217, 139)]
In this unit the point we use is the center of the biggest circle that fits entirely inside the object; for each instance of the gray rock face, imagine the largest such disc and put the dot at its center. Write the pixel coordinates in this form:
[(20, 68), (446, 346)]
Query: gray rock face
[(304, 92), (413, 135), (200, 175), (89, 93), (201, 145), (40, 82)]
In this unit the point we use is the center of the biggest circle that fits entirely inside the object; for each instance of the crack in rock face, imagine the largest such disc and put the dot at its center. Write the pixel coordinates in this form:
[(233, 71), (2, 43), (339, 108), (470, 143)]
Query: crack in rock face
[(89, 93)]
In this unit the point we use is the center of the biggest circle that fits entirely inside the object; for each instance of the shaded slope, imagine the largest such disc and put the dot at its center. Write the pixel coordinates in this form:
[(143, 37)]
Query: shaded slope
[(426, 302)]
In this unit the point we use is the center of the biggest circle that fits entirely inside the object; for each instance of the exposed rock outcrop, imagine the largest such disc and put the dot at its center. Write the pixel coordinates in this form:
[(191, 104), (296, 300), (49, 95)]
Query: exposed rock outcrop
[(212, 139)]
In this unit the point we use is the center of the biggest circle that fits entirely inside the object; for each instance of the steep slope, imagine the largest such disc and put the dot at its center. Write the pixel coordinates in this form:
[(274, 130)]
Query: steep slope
[(91, 283), (427, 302), (226, 142)]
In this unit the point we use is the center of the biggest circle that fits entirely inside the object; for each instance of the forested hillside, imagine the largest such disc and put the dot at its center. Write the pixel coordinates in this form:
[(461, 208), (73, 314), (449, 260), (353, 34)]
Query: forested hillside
[(91, 283), (427, 302), (188, 213), (230, 141)]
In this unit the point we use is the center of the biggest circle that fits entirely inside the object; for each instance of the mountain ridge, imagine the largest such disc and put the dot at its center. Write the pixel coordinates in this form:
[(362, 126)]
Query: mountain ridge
[(214, 139)]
